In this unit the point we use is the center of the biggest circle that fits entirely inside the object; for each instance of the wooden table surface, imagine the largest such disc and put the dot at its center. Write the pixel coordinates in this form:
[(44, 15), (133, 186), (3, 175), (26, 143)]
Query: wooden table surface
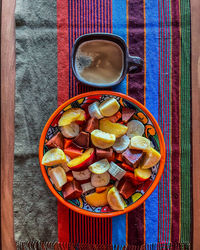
[(7, 120)]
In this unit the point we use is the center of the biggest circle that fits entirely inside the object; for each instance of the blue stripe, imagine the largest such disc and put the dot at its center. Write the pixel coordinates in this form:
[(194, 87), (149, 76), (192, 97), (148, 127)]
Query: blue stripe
[(119, 25), (119, 28), (152, 83), (119, 230)]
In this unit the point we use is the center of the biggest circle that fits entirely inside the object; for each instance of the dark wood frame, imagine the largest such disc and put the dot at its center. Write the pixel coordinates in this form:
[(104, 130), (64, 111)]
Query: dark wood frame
[(195, 52), (7, 120)]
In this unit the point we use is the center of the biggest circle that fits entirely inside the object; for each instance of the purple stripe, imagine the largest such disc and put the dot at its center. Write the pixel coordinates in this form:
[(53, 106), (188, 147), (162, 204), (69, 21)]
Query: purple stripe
[(97, 7), (175, 122), (160, 121), (93, 16), (88, 14), (164, 110), (104, 18), (165, 94), (168, 125), (82, 22), (136, 90)]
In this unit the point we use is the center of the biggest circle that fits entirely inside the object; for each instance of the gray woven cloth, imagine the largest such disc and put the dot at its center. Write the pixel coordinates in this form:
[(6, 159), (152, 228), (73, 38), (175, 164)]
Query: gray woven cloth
[(35, 208)]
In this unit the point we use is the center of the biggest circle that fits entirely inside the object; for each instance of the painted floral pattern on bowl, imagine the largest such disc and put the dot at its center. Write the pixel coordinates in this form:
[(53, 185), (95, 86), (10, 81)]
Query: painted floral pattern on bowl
[(149, 132)]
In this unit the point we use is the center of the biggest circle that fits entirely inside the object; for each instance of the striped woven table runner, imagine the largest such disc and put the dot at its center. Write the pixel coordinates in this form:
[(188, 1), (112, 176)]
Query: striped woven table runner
[(159, 32)]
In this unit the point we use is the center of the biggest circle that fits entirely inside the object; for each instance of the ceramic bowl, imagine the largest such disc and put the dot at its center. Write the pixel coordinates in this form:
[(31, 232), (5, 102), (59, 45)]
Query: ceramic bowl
[(152, 131)]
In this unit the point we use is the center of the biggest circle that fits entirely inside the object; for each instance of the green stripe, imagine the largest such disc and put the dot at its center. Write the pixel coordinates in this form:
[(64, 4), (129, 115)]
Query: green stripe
[(185, 123)]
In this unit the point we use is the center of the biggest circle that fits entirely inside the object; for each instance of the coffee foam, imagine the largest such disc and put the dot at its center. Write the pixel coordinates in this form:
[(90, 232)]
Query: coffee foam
[(82, 61)]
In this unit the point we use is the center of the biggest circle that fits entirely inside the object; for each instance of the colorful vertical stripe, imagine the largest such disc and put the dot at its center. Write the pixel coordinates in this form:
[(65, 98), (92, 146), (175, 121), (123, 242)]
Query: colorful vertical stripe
[(152, 82), (119, 27), (118, 9), (136, 90), (185, 96), (164, 119), (82, 17), (159, 32), (63, 51), (175, 163)]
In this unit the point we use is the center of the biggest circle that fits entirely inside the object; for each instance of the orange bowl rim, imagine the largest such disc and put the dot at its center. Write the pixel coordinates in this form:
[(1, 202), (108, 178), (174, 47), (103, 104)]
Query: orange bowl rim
[(143, 197)]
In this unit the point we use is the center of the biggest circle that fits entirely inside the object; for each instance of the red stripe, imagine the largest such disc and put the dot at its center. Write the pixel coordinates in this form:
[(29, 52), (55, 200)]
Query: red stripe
[(102, 19), (90, 231), (83, 228), (94, 17), (63, 51), (168, 125), (77, 224), (80, 228), (163, 121), (86, 235), (87, 227), (162, 68), (63, 223), (159, 105), (103, 230), (175, 122), (72, 226), (85, 15), (166, 119), (63, 95), (99, 13), (161, 186), (161, 108)]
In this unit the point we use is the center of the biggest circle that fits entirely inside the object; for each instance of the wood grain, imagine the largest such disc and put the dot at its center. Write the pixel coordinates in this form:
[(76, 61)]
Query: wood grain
[(7, 121), (195, 19)]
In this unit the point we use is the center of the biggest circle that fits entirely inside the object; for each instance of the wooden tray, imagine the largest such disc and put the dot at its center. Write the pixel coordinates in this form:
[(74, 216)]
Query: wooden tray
[(7, 120)]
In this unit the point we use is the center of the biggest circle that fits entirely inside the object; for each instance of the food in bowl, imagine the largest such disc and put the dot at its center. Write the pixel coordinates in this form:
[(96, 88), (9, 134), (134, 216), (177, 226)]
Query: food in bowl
[(100, 153)]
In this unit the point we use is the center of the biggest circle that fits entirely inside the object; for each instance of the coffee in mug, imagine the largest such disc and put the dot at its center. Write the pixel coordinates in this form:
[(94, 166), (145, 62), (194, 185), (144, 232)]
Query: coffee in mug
[(99, 61), (102, 60)]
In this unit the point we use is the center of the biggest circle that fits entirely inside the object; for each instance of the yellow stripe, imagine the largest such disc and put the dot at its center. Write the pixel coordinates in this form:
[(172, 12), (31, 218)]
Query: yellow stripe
[(180, 122), (127, 39)]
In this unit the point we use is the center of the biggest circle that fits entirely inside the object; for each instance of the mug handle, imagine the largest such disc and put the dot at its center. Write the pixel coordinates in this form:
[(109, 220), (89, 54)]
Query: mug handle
[(135, 64)]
